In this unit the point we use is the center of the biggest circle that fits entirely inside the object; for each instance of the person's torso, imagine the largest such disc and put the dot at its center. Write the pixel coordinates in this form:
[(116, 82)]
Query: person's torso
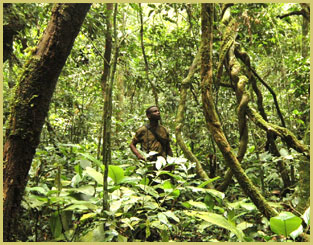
[(150, 143)]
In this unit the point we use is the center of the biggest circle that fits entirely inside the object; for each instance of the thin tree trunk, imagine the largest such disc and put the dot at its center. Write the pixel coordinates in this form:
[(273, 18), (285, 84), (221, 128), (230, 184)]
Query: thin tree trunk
[(180, 118), (108, 49), (227, 49), (31, 104), (108, 117), (244, 57), (153, 87), (211, 116), (106, 100), (287, 136)]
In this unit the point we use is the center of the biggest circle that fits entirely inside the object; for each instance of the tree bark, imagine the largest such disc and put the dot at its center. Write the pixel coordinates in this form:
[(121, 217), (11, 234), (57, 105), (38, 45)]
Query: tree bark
[(31, 104), (180, 118), (287, 136), (270, 144), (108, 49), (212, 119), (153, 87), (107, 112)]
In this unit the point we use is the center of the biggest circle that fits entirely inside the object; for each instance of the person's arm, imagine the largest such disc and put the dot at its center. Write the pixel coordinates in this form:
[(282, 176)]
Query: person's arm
[(135, 150)]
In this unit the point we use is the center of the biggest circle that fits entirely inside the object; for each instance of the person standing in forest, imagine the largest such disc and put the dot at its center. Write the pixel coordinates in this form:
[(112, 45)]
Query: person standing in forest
[(152, 137)]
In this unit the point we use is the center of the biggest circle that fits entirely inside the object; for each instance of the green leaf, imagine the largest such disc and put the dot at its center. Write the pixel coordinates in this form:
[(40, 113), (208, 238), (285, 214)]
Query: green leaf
[(285, 223), (186, 205), (157, 224), (199, 205), (82, 206), (167, 185), (283, 152), (121, 238), (116, 173), (170, 174), (36, 201), (148, 232), (248, 206), (143, 181), (55, 225), (171, 215), (216, 193), (83, 163), (134, 6), (208, 182), (79, 170), (149, 190), (218, 220), (162, 218), (96, 235), (94, 174), (86, 189), (212, 192), (87, 216), (38, 189), (175, 193), (94, 160), (165, 236)]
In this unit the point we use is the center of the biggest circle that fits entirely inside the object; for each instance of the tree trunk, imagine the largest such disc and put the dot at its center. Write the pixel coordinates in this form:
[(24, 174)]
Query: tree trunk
[(108, 49), (180, 117), (107, 112), (31, 104), (211, 116), (153, 87)]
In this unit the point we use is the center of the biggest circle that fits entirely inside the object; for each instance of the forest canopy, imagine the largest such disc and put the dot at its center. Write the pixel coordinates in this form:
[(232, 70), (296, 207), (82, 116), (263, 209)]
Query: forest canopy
[(232, 83)]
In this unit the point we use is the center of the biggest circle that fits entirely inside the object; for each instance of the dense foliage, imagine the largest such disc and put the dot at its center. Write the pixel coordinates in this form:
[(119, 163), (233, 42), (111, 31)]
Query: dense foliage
[(63, 200)]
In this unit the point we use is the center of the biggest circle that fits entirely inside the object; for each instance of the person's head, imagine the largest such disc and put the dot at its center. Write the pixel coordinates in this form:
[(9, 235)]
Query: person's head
[(153, 113)]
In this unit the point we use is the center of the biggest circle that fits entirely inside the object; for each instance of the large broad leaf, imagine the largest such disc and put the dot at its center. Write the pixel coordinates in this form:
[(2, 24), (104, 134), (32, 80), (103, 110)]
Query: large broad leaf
[(285, 223), (38, 189), (218, 220), (171, 215), (149, 190), (87, 216), (81, 205), (95, 235), (36, 201), (162, 218), (116, 173), (86, 189), (97, 176), (199, 205), (91, 158), (212, 192), (55, 225)]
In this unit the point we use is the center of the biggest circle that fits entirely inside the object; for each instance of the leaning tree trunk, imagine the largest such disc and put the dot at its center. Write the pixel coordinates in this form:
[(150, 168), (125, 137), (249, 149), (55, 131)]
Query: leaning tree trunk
[(211, 117), (180, 118), (31, 104), (270, 144)]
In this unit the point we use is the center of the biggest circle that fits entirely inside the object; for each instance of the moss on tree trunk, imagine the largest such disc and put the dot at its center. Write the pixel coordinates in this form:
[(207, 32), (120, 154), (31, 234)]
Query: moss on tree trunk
[(212, 119), (180, 118), (31, 104)]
